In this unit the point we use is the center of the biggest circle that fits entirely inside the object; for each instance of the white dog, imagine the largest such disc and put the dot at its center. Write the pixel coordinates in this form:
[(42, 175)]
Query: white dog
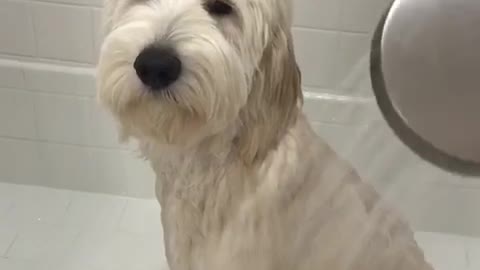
[(211, 89)]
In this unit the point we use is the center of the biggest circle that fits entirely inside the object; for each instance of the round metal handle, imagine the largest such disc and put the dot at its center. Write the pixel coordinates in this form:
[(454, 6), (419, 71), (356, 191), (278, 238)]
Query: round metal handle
[(425, 69)]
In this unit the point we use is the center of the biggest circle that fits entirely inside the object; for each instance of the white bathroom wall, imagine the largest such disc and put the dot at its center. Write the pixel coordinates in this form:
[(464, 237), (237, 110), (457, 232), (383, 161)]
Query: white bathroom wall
[(52, 132)]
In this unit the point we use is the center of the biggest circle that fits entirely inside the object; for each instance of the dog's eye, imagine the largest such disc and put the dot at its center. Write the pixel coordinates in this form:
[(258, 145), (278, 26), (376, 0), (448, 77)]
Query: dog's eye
[(219, 8)]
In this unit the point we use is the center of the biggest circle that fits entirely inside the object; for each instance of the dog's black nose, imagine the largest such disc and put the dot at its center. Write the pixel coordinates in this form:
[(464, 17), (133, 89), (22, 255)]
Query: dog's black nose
[(158, 67)]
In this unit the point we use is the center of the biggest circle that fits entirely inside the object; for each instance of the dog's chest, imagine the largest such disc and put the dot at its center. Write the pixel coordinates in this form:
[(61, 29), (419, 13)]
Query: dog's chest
[(207, 205), (198, 196)]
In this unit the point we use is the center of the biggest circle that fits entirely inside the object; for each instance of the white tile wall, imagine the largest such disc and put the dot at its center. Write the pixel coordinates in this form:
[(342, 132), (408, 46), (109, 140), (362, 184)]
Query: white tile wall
[(16, 28), (64, 32), (11, 74), (19, 161), (61, 138), (88, 3), (75, 81), (66, 166), (361, 15), (102, 129), (352, 70), (332, 41), (69, 126), (97, 30), (317, 55), (94, 169), (318, 14), (21, 105)]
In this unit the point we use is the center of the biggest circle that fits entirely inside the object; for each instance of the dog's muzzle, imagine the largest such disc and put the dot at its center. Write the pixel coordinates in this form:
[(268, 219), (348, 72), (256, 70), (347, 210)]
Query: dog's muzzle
[(158, 67)]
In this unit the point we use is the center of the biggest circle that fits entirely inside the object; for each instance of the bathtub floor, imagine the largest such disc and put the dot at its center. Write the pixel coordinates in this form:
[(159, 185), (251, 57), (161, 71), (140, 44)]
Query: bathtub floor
[(49, 229)]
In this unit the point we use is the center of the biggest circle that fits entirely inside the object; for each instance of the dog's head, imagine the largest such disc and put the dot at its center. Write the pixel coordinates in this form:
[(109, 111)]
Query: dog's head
[(179, 71)]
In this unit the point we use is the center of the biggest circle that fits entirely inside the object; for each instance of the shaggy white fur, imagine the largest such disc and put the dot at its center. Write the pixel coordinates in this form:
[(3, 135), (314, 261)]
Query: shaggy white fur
[(243, 181)]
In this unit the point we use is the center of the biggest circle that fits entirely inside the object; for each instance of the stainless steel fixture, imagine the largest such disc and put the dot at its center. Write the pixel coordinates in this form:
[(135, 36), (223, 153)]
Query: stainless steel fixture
[(425, 70)]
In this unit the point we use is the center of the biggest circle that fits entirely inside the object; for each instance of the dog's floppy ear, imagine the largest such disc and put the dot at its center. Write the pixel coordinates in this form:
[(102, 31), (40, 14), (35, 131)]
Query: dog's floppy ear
[(274, 100)]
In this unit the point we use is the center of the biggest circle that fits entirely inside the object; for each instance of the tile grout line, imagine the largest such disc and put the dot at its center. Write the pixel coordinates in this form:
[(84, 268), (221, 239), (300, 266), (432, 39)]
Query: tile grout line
[(69, 205), (467, 257), (46, 60), (9, 248), (63, 4), (34, 30), (122, 215), (7, 210), (330, 30), (43, 141), (49, 93)]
